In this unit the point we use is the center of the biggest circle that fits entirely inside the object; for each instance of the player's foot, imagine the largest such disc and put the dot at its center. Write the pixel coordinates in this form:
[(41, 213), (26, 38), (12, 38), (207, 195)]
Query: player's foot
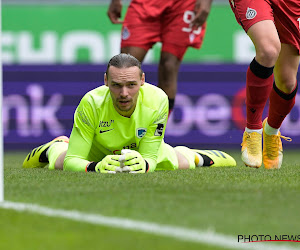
[(37, 157), (252, 149), (272, 149), (215, 158)]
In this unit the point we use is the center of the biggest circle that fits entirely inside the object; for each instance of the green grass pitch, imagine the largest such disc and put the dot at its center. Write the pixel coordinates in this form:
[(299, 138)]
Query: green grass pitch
[(229, 201)]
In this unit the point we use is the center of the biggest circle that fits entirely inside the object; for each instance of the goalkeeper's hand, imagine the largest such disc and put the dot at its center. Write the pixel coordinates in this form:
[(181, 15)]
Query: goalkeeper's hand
[(109, 165), (134, 163)]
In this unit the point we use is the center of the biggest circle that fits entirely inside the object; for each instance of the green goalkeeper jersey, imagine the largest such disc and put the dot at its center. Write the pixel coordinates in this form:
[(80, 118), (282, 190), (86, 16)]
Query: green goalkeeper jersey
[(99, 130)]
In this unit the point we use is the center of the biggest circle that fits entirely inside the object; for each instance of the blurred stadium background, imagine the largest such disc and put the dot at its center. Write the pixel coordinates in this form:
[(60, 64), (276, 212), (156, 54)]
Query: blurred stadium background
[(55, 51)]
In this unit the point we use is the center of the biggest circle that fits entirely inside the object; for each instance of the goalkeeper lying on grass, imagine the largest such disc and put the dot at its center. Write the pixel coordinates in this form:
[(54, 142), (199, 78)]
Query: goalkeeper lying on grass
[(126, 113)]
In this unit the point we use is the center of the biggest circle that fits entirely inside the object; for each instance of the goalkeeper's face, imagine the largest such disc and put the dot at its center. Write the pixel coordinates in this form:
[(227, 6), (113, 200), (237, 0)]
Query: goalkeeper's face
[(124, 85)]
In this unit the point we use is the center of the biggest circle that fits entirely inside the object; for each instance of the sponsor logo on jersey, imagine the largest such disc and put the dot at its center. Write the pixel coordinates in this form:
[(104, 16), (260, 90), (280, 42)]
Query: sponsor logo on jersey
[(140, 132), (161, 118), (105, 124), (159, 130), (251, 13), (125, 33), (83, 117), (103, 131)]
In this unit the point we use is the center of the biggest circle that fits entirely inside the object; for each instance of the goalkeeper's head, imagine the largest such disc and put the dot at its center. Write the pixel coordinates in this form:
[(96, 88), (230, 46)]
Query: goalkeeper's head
[(124, 77)]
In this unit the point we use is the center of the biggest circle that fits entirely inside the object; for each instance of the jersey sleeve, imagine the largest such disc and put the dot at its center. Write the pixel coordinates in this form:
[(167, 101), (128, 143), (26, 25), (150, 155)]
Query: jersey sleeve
[(151, 142), (81, 137)]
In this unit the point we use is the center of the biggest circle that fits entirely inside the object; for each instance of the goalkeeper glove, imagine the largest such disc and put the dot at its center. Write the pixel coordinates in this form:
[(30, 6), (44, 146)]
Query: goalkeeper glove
[(110, 164), (134, 163)]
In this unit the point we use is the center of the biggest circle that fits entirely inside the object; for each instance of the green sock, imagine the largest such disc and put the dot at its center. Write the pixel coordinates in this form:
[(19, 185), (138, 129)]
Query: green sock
[(54, 151), (188, 154)]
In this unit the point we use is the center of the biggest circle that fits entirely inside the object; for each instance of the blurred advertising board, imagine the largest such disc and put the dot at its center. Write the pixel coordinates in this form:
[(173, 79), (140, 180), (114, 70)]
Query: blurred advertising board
[(68, 34), (39, 102)]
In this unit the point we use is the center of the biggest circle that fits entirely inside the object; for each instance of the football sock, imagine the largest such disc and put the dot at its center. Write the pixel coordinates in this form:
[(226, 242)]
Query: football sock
[(271, 131), (254, 130), (188, 154), (54, 151), (281, 105), (258, 87)]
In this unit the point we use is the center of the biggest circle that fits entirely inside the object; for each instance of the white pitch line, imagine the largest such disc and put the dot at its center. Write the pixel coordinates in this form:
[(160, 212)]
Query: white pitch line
[(179, 233)]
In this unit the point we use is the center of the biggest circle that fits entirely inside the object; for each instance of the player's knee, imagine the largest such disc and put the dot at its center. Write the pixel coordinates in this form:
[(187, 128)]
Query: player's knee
[(286, 82), (268, 54), (169, 65)]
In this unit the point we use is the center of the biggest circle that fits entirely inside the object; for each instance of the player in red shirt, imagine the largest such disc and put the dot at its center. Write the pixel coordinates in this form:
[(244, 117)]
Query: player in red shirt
[(177, 24), (273, 26)]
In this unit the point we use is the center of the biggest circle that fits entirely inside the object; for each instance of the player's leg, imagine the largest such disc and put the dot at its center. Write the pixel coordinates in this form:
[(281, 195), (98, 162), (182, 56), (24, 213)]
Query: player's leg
[(259, 81), (170, 158), (183, 162), (181, 157), (47, 154), (256, 18), (191, 158), (176, 37), (266, 41), (59, 163), (138, 52), (56, 155), (167, 75), (282, 100)]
